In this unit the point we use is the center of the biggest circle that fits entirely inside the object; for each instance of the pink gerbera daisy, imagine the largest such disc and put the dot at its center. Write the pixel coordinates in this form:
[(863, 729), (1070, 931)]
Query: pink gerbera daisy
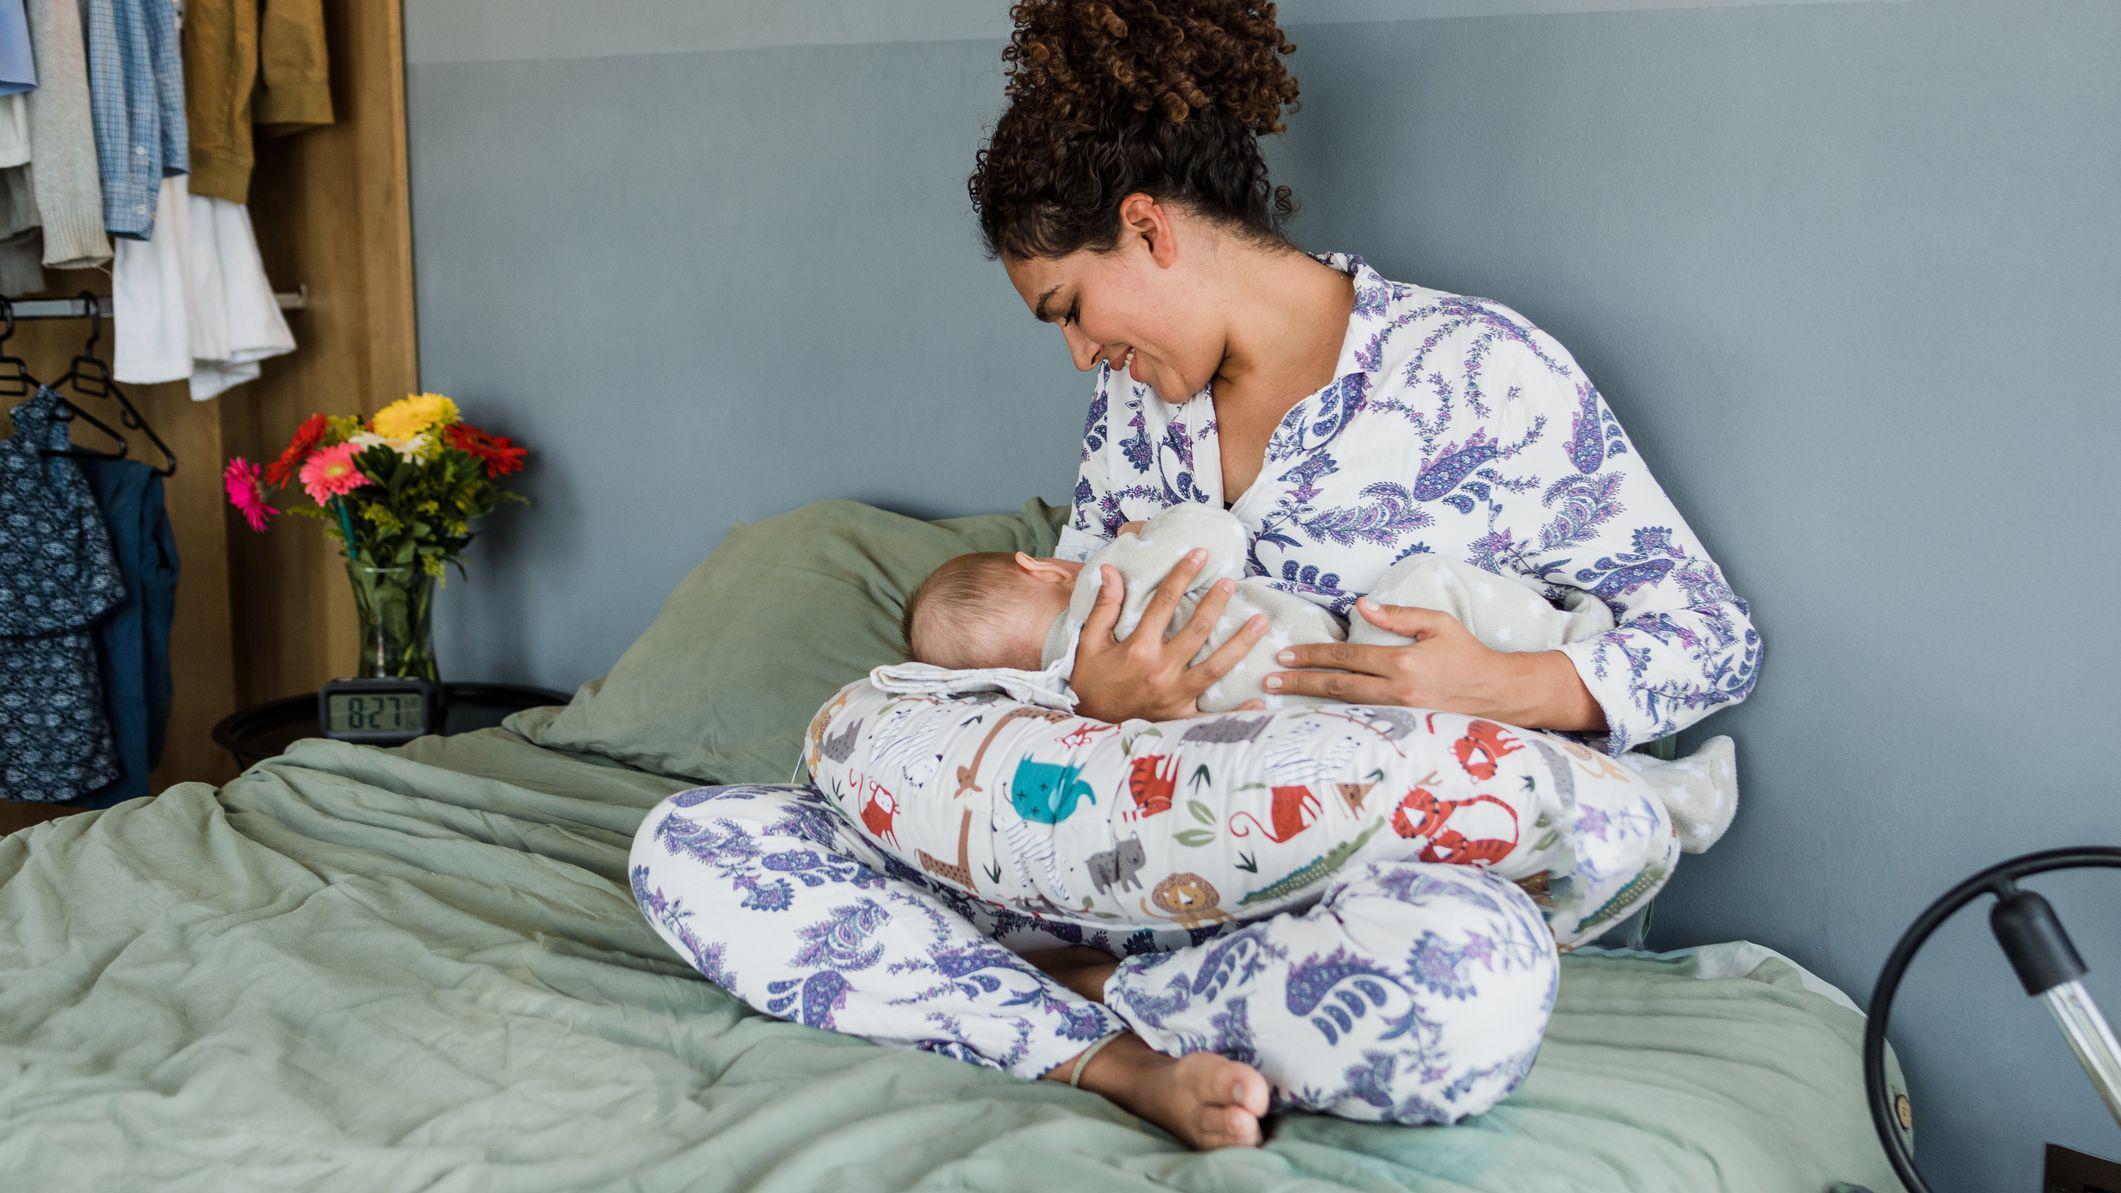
[(246, 491), (331, 472)]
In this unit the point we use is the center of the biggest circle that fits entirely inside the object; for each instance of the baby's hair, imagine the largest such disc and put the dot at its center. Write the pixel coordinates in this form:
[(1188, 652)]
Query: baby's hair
[(963, 599)]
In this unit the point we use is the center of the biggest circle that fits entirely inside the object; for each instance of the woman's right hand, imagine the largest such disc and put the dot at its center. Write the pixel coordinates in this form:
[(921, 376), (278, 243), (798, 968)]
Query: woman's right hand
[(1146, 674)]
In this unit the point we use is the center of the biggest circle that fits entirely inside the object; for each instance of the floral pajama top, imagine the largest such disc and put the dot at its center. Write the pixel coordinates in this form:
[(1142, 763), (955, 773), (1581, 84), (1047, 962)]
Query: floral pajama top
[(1452, 426)]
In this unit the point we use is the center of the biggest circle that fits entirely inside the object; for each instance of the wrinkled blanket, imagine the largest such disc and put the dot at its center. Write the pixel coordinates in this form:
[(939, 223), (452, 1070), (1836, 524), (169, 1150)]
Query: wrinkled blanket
[(420, 969)]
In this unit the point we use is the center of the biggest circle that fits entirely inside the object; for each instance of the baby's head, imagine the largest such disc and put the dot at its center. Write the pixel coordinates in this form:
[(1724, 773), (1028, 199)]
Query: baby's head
[(988, 609)]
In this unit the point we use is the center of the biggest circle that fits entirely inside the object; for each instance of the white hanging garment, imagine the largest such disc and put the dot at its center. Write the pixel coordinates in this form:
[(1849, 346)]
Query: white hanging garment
[(148, 296), (236, 322), (14, 130), (194, 301)]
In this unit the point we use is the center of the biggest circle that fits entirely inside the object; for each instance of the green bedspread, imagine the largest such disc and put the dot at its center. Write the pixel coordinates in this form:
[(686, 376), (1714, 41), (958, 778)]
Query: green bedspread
[(367, 970)]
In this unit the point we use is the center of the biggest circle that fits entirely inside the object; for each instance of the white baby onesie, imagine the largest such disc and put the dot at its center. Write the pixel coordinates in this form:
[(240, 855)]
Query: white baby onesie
[(1503, 612)]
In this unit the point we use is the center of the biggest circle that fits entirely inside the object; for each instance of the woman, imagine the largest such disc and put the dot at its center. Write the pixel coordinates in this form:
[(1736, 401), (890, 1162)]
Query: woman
[(1349, 421)]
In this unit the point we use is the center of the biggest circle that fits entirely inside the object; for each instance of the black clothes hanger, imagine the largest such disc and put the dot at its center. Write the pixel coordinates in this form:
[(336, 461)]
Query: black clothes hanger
[(16, 382), (90, 375)]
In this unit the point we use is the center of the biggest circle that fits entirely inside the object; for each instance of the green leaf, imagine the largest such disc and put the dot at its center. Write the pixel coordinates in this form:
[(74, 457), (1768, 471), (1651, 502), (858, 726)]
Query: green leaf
[(1199, 811), (1194, 837)]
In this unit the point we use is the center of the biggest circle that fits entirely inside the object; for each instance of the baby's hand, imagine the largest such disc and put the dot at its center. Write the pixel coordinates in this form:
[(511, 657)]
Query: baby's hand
[(1129, 528)]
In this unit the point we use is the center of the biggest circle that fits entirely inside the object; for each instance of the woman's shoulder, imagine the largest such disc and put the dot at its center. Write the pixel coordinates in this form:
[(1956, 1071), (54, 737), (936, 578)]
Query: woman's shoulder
[(1427, 332)]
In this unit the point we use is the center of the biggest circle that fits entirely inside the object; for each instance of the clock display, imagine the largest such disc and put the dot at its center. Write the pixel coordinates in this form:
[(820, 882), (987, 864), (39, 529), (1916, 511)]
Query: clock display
[(375, 712)]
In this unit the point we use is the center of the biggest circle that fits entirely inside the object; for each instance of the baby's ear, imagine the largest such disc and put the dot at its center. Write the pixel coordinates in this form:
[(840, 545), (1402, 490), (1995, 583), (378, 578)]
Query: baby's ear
[(1044, 569)]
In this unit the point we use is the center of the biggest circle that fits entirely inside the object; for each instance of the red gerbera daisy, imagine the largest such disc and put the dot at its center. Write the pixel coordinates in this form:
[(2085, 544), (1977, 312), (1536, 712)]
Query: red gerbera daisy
[(307, 436), (500, 456)]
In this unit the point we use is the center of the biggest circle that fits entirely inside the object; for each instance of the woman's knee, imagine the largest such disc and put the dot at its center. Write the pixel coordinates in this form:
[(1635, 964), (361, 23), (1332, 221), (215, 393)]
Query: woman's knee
[(1481, 966), (725, 827)]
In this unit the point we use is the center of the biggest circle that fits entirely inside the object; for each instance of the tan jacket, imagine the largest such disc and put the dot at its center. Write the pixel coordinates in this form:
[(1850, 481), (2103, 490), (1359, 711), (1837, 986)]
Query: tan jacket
[(249, 63)]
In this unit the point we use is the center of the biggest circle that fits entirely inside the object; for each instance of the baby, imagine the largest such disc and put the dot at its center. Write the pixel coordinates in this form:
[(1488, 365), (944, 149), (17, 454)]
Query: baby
[(993, 609), (1016, 615)]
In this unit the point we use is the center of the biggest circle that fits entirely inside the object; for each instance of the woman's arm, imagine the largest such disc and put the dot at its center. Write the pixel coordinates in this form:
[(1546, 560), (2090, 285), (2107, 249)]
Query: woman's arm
[(1597, 521), (1447, 668), (1147, 674), (1683, 643)]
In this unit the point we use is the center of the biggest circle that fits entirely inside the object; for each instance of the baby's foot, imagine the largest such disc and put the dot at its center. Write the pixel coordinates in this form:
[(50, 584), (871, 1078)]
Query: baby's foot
[(1078, 967), (1205, 1099), (1701, 793)]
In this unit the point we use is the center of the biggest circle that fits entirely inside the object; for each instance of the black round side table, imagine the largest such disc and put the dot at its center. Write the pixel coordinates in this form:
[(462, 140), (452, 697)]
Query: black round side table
[(263, 730)]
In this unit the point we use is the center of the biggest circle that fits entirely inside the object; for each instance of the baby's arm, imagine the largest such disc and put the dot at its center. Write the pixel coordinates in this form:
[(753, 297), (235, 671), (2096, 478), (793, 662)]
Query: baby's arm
[(1144, 559), (1504, 612), (1291, 621)]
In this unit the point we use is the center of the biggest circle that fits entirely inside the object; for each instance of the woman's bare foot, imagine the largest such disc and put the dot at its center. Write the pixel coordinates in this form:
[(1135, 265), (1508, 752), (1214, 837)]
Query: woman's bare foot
[(1205, 1099), (1078, 967)]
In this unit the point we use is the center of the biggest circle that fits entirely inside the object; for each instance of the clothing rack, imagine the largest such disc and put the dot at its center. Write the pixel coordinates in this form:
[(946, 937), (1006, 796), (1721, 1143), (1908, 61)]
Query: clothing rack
[(77, 308)]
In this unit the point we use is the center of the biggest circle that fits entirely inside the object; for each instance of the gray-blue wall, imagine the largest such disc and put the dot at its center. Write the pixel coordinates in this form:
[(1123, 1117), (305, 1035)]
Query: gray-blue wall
[(1849, 272)]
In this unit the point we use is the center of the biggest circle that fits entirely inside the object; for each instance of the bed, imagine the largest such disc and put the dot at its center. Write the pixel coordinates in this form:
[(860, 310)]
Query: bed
[(420, 968)]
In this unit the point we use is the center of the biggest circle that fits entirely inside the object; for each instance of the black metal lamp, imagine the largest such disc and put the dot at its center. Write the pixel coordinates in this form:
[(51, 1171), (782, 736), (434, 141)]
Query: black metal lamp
[(2045, 960)]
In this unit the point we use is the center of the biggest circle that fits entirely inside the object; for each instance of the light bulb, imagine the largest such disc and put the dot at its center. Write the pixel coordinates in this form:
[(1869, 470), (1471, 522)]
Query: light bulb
[(2090, 1038)]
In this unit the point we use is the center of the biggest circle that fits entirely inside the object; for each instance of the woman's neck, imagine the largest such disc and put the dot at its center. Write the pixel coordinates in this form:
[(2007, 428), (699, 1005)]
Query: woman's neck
[(1288, 317)]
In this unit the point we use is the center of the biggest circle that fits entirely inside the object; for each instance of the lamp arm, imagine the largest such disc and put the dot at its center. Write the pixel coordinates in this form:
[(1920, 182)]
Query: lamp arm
[(2047, 965)]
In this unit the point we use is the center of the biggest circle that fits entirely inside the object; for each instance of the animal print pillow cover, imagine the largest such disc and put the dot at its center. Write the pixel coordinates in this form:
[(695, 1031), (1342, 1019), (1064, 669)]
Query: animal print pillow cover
[(1238, 816)]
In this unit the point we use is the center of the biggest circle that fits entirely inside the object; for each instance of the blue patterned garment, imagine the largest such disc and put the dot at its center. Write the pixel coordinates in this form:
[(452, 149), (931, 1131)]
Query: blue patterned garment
[(1452, 426), (136, 102), (57, 577), (1411, 992)]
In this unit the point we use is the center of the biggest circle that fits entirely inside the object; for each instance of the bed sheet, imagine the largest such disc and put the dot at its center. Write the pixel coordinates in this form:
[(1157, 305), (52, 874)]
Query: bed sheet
[(421, 969)]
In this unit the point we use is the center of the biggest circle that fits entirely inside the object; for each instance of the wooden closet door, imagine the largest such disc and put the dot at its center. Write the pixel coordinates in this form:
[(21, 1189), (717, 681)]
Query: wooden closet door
[(268, 615), (334, 213)]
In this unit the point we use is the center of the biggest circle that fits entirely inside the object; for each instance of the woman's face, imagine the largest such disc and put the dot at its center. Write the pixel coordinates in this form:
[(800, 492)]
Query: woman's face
[(1138, 306)]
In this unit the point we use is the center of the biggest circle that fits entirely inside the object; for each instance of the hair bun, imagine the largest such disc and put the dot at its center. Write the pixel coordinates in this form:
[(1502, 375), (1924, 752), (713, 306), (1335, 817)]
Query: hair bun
[(1078, 62)]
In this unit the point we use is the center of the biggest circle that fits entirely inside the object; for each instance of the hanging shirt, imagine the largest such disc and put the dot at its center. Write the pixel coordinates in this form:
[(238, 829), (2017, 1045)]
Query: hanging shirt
[(132, 638), (14, 129), (1451, 426), (18, 67), (63, 192), (193, 300), (136, 96), (251, 66), (57, 576)]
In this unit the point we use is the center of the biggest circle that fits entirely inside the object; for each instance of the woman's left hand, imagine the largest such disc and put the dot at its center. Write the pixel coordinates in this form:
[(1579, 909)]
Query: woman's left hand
[(1446, 668)]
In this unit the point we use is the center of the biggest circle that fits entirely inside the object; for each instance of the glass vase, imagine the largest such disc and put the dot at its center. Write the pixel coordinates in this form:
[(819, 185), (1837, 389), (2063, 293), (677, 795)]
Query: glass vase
[(396, 606)]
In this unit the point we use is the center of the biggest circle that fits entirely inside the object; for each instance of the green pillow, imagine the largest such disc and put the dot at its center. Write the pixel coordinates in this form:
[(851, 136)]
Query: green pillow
[(786, 611)]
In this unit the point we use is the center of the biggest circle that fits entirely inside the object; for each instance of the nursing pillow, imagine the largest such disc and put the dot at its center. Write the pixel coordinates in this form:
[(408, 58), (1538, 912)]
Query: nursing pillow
[(1239, 816)]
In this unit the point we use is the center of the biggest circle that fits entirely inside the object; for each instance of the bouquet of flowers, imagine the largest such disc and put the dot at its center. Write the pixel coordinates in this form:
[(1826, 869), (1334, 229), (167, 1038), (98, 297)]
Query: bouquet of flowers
[(399, 494)]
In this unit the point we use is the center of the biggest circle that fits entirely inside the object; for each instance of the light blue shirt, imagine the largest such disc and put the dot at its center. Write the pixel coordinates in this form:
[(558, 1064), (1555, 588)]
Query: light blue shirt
[(136, 101), (18, 71)]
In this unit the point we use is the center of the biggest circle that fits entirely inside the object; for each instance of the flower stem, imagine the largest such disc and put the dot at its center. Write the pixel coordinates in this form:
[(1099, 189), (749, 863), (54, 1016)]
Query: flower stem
[(346, 528)]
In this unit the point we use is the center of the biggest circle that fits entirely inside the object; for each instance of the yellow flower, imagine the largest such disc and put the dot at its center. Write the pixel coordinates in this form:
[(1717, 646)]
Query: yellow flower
[(410, 415)]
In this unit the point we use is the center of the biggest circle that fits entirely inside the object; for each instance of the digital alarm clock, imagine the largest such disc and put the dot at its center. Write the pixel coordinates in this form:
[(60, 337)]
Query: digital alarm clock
[(378, 712)]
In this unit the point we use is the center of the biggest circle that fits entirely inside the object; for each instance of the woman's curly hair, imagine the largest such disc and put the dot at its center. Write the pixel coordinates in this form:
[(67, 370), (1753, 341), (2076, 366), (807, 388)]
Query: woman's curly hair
[(1110, 97)]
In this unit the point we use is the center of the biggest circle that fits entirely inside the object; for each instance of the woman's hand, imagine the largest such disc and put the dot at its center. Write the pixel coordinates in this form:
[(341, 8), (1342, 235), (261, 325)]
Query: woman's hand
[(1446, 668), (1146, 674)]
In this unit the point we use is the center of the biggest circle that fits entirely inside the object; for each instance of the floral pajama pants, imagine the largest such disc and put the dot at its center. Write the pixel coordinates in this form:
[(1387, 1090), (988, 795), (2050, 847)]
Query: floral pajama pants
[(1411, 992)]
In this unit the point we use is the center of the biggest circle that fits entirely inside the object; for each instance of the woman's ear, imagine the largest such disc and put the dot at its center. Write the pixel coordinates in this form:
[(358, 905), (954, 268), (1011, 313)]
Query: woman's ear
[(1052, 571), (1142, 215)]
